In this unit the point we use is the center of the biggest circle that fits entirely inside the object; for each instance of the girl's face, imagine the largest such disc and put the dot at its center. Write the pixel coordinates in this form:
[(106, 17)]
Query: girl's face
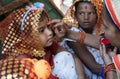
[(86, 15), (45, 33), (110, 31)]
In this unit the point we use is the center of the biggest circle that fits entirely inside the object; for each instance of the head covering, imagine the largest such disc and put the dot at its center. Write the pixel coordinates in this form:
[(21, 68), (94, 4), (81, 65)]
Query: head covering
[(20, 31), (13, 68), (70, 19), (114, 9)]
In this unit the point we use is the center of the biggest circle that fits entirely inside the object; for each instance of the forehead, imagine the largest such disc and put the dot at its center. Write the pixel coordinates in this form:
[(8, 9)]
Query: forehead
[(43, 21), (86, 6)]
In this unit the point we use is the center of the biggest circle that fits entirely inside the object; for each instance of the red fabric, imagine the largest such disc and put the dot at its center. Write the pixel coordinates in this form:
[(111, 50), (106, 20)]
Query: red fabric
[(105, 41), (50, 51), (53, 77), (117, 62)]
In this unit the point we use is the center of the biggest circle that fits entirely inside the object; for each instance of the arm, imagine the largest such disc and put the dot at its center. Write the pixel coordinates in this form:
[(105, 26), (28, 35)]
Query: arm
[(61, 30), (107, 57), (79, 68), (85, 56), (91, 40)]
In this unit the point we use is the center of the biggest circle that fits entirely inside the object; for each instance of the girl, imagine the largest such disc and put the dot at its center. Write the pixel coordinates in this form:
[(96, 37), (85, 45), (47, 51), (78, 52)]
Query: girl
[(86, 17), (27, 34)]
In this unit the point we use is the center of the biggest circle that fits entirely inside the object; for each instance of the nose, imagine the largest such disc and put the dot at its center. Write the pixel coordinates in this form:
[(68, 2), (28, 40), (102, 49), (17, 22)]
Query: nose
[(49, 32), (86, 16)]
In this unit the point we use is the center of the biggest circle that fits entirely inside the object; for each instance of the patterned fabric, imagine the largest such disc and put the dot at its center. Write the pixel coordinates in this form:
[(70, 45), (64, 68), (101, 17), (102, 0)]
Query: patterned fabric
[(70, 19), (18, 42), (24, 69), (114, 9), (64, 66)]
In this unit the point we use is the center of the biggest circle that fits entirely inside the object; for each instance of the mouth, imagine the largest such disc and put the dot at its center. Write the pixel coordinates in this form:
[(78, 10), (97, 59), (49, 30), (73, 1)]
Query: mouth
[(50, 40), (86, 23)]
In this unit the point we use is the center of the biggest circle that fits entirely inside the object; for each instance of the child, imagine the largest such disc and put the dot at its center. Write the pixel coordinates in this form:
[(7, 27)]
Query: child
[(28, 35), (86, 16)]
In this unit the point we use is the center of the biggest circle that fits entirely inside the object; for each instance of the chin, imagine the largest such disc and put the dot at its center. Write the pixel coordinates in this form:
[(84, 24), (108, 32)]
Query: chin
[(87, 27), (49, 44)]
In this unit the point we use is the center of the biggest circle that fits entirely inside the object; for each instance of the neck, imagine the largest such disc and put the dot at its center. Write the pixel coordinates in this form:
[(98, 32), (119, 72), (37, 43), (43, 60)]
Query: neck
[(88, 30)]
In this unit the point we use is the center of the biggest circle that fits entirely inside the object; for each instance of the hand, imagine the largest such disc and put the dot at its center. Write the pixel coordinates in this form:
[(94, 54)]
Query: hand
[(112, 52), (106, 58), (60, 28)]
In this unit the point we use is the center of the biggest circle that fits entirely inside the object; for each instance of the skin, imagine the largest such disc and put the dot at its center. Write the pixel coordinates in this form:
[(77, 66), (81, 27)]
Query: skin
[(111, 32), (45, 33), (65, 32), (86, 16), (46, 37)]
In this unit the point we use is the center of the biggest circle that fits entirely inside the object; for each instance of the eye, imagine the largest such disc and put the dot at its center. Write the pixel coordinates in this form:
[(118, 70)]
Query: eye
[(41, 29), (81, 13), (91, 13)]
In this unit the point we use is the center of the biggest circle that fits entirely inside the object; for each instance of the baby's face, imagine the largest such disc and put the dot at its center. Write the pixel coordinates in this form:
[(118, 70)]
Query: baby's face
[(45, 33)]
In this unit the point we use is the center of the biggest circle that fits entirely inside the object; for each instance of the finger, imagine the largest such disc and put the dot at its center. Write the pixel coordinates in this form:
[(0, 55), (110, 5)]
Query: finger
[(115, 50), (58, 24), (101, 51), (104, 48), (57, 32), (54, 21)]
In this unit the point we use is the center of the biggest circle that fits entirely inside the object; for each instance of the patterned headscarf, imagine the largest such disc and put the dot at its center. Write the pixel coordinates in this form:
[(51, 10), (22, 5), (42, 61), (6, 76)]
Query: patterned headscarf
[(20, 31), (25, 68), (70, 19), (114, 9)]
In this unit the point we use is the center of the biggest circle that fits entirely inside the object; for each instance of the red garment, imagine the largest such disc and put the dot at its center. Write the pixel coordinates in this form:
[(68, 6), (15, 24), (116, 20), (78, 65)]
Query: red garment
[(50, 51), (53, 77)]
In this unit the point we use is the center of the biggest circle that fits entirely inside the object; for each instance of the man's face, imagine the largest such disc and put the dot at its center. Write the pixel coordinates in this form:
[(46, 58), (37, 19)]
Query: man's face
[(110, 31), (86, 15)]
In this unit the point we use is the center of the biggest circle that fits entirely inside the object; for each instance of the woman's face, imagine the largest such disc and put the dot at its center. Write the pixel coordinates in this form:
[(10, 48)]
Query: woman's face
[(86, 15), (45, 33), (110, 31)]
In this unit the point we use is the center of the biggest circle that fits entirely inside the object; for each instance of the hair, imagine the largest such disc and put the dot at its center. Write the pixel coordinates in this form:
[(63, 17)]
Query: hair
[(43, 16)]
